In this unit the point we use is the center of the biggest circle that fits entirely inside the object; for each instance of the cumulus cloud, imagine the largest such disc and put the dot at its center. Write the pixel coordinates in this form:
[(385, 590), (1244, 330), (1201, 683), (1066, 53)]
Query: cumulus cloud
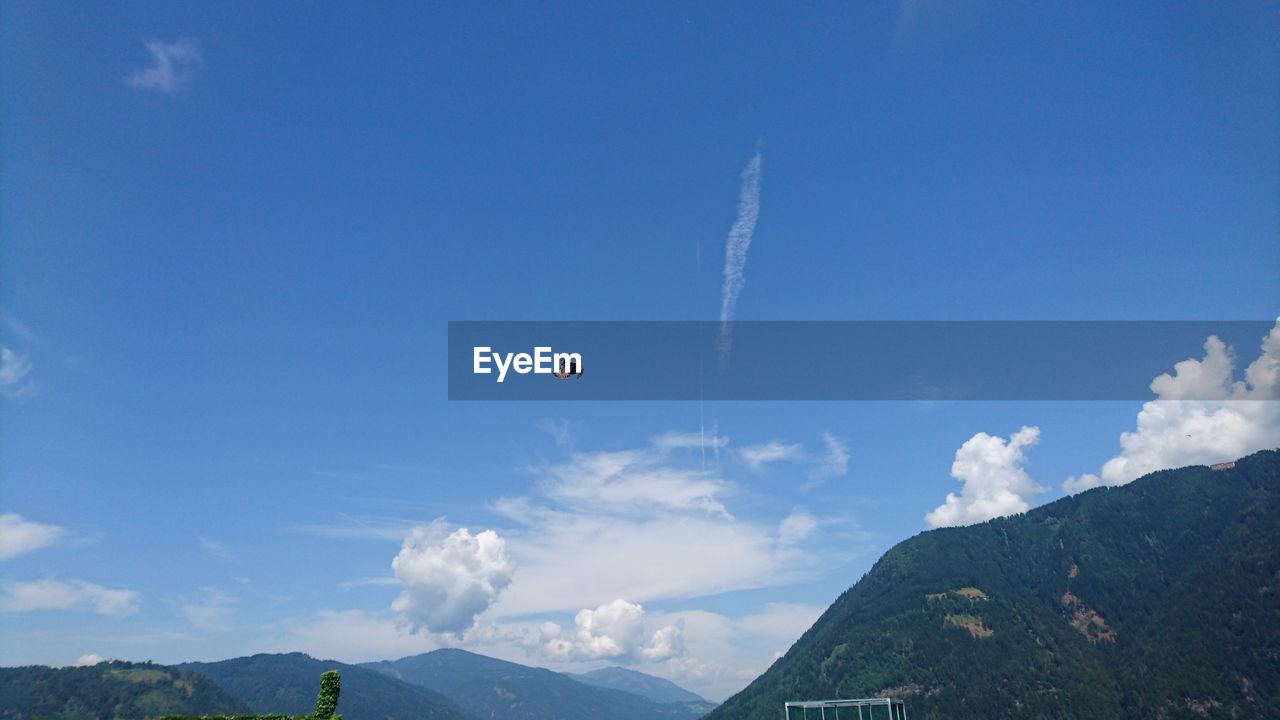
[(1229, 419), (49, 594), (735, 249), (757, 456), (449, 579), (995, 484), (614, 631), (172, 65), (15, 369), (19, 535), (86, 660)]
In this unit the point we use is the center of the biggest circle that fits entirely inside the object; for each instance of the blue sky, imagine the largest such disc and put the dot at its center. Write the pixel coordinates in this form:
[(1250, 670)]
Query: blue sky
[(231, 237)]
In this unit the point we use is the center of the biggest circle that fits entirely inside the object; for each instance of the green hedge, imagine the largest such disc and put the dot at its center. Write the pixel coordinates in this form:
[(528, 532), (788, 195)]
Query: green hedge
[(326, 705)]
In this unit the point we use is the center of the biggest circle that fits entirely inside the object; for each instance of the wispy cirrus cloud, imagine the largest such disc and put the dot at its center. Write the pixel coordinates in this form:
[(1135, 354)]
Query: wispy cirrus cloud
[(757, 456), (643, 524), (15, 372), (834, 461), (51, 594), (172, 66), (210, 611), (359, 528), (735, 249), (215, 548)]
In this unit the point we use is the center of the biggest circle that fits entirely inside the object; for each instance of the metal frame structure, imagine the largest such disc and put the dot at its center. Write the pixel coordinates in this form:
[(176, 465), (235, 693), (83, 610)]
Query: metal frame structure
[(896, 709)]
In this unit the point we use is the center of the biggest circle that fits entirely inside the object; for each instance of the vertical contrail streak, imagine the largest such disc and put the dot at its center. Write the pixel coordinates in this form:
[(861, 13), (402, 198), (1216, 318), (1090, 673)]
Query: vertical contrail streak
[(735, 250)]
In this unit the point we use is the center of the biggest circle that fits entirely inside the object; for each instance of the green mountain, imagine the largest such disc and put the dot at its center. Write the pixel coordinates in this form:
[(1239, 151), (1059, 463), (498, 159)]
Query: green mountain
[(287, 684), (1158, 599), (110, 690), (656, 689), (491, 688)]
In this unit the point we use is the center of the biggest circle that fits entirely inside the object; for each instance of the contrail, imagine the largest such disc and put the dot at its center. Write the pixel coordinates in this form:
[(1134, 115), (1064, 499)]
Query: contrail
[(735, 249)]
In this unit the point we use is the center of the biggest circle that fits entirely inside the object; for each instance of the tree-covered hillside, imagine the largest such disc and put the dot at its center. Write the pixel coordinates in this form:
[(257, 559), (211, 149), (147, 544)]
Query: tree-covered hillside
[(287, 684), (1157, 599), (110, 690)]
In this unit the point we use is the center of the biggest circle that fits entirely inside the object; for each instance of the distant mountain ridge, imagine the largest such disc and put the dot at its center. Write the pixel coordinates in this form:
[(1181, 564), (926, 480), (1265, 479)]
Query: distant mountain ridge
[(1157, 599), (110, 690), (286, 683), (656, 689), (489, 688)]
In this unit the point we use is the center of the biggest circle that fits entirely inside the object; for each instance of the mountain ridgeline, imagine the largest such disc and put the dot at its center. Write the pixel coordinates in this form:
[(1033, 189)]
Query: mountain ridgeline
[(654, 688), (1157, 599), (286, 684), (489, 688), (422, 687)]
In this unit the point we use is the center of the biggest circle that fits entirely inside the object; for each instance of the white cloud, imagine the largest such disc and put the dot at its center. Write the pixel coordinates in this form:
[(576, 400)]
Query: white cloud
[(735, 249), (995, 483), (757, 456), (86, 660), (19, 535), (725, 653), (1225, 419), (796, 527), (602, 535), (687, 441), (629, 480), (15, 368), (615, 631), (834, 462), (781, 622), (214, 548), (67, 595), (210, 612), (587, 558), (353, 636), (640, 525), (172, 66), (359, 528), (559, 431), (712, 654), (449, 579)]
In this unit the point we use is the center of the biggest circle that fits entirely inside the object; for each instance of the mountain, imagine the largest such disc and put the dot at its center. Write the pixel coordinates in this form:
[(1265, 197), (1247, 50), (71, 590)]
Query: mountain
[(1157, 599), (288, 683), (111, 690), (490, 688), (655, 688)]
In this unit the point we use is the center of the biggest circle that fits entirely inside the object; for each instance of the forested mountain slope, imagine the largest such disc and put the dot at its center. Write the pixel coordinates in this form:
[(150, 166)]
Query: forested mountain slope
[(1157, 599)]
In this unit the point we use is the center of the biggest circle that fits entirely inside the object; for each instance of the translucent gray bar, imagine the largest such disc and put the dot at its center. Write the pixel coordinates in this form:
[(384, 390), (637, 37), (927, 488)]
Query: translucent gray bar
[(836, 360)]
